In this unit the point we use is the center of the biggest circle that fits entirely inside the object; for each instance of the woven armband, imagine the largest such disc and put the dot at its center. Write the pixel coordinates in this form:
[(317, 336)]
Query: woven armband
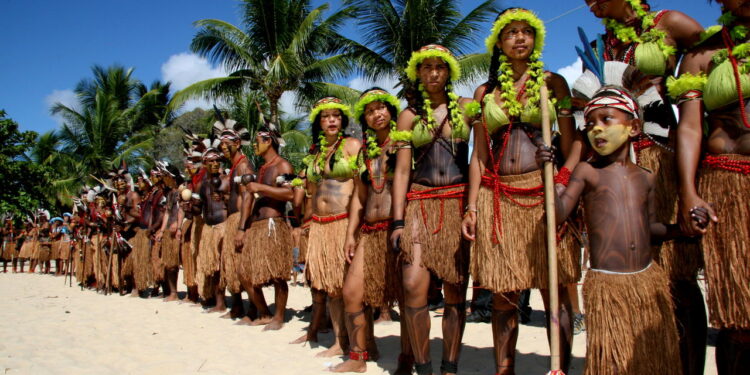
[(686, 88)]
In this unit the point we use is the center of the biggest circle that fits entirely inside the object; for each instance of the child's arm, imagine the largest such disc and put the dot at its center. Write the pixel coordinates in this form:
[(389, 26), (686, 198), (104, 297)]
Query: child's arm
[(660, 232), (566, 197)]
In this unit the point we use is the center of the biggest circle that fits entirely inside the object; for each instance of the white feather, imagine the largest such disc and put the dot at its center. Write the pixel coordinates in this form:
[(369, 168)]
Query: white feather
[(587, 84), (649, 97), (613, 72), (654, 129)]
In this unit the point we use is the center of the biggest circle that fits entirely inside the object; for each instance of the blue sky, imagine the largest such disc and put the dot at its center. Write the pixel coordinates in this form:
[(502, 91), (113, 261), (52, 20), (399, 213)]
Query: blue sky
[(48, 46)]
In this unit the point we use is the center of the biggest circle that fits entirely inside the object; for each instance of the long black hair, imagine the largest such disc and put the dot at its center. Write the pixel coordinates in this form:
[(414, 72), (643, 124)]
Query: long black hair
[(492, 77)]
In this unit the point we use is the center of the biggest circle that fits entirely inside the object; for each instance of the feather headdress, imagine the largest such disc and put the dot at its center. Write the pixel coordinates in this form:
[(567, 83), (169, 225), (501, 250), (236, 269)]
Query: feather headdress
[(230, 129), (599, 73)]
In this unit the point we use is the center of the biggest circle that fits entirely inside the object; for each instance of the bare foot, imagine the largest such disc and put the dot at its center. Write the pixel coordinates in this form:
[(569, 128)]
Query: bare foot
[(350, 365), (217, 309), (303, 339), (333, 351), (245, 321), (262, 321), (171, 298), (273, 325), (226, 315)]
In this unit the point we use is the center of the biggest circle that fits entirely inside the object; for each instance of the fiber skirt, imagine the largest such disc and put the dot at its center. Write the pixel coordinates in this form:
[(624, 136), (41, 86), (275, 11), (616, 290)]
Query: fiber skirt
[(630, 324), (65, 250), (382, 268), (267, 254), (518, 260), (230, 256), (326, 261), (43, 253), (141, 259), (209, 258), (27, 249), (9, 251), (435, 224), (725, 246), (170, 250), (187, 255), (55, 252), (681, 259)]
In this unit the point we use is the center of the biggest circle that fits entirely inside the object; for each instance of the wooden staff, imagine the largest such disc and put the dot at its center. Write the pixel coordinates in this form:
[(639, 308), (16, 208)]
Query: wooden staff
[(549, 208)]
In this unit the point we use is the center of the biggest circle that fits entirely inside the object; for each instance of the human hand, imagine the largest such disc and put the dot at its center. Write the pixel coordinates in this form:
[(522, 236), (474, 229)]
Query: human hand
[(350, 247), (695, 215), (469, 225), (544, 154)]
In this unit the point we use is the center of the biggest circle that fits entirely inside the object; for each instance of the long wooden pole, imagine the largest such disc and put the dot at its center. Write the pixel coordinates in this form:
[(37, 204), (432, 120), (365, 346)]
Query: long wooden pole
[(549, 208)]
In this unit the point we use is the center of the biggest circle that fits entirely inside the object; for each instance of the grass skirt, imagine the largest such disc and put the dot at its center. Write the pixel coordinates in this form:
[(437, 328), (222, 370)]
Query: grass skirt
[(65, 250), (187, 256), (170, 250), (681, 259), (43, 253), (141, 259), (10, 251), (304, 238), (99, 258), (726, 247), (157, 266), (519, 260), (382, 269), (88, 265), (630, 324), (230, 257), (78, 252), (445, 253), (27, 249), (209, 261), (326, 261), (55, 254), (267, 254)]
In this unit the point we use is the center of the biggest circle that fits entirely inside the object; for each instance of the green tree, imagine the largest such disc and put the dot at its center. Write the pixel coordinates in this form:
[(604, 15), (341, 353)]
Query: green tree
[(394, 29), (283, 46), (24, 182)]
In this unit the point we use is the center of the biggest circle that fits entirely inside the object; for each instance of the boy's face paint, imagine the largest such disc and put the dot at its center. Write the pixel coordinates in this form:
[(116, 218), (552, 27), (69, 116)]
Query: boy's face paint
[(607, 139), (608, 129)]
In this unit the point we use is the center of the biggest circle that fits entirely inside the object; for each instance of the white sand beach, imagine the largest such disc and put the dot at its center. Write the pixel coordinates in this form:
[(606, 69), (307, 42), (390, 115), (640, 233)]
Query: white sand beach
[(50, 328)]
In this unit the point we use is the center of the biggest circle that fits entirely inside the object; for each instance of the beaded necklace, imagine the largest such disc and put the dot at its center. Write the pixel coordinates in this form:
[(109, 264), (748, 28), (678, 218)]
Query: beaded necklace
[(458, 126), (368, 163)]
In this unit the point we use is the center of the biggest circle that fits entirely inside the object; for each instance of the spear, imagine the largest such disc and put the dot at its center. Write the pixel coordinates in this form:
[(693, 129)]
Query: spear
[(549, 208)]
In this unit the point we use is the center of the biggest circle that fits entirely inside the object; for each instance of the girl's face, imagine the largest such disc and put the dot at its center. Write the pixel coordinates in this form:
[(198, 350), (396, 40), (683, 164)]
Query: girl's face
[(517, 40), (331, 121), (739, 8), (433, 73), (377, 115)]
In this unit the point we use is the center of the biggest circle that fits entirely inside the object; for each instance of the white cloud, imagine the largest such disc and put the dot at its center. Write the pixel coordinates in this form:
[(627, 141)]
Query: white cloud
[(184, 69), (65, 97), (572, 71), (286, 104)]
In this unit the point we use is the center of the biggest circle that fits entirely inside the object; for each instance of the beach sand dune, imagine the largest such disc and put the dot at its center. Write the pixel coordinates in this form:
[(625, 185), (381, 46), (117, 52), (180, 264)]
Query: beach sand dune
[(48, 328)]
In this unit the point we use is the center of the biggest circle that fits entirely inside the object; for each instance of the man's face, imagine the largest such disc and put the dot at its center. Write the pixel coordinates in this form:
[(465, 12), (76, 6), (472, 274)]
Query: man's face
[(261, 145), (229, 148), (120, 184), (434, 73), (606, 8), (213, 166), (608, 129), (142, 184)]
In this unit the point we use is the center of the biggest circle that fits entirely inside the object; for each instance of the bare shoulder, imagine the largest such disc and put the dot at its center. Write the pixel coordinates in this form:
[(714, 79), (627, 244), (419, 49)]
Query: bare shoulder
[(685, 30), (480, 91), (352, 146), (285, 167), (406, 119)]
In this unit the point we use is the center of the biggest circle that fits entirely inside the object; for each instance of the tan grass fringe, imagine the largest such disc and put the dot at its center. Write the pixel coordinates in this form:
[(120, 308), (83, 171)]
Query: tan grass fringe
[(55, 253), (10, 251), (445, 253), (157, 266), (187, 256), (519, 260), (141, 259), (726, 246), (326, 261), (78, 261), (27, 249), (170, 250), (267, 254), (630, 324), (382, 269), (209, 258), (680, 259), (65, 250), (43, 255), (36, 247), (304, 238), (89, 260), (99, 258), (230, 256), (127, 261)]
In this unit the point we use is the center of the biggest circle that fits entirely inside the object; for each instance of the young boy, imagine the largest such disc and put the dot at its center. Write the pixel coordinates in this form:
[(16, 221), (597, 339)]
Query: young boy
[(630, 321)]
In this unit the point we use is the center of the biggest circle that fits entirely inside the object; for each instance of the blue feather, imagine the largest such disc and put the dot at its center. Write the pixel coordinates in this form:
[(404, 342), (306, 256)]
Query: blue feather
[(592, 60)]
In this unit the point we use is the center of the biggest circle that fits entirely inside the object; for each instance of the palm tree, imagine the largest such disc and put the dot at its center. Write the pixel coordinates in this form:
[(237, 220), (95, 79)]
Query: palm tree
[(116, 119), (394, 29), (63, 170), (284, 46), (297, 137)]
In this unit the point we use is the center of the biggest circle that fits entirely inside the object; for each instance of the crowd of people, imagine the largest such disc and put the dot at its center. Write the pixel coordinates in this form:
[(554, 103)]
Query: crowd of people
[(375, 221)]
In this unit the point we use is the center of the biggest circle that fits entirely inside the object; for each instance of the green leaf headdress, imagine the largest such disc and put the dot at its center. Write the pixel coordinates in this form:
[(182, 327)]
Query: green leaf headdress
[(375, 95), (430, 51), (329, 102), (517, 14)]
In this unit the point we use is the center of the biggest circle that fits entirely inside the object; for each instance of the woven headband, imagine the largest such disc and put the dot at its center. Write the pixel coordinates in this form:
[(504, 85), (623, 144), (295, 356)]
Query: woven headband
[(613, 98)]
